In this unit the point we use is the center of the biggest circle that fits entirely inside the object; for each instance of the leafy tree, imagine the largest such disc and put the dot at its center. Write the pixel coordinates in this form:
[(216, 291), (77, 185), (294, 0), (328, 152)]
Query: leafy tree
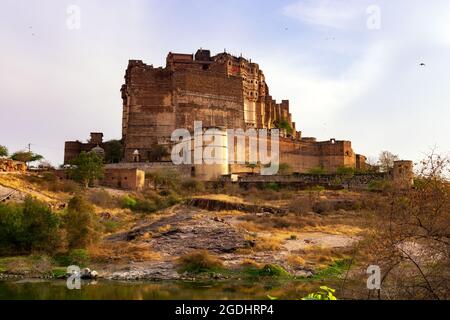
[(157, 153), (80, 223), (26, 156), (87, 167), (3, 151), (386, 160), (113, 151)]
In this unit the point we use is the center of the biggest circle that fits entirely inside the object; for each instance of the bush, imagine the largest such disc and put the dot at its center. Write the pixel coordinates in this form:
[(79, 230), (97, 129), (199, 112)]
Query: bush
[(80, 223), (129, 203), (198, 262), (28, 227), (379, 185), (102, 199), (77, 257), (269, 270), (192, 185)]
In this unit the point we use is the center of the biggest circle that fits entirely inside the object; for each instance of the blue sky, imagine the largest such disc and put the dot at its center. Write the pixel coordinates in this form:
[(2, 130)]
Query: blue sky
[(343, 80)]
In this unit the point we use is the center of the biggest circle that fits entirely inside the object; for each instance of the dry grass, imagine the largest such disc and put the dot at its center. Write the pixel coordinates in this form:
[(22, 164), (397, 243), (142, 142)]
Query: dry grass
[(295, 261), (198, 261), (122, 252)]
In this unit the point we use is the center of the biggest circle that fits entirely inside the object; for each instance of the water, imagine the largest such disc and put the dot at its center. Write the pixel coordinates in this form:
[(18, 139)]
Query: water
[(166, 290)]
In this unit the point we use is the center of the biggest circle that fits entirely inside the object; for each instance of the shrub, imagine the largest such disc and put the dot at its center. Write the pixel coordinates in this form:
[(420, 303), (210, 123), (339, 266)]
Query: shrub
[(102, 198), (192, 185), (28, 227), (198, 262), (78, 257), (269, 270), (379, 185), (129, 203), (80, 223)]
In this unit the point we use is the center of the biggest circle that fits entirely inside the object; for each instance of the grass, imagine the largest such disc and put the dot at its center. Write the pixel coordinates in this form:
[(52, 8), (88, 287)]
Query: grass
[(269, 270), (122, 251), (334, 270), (199, 261)]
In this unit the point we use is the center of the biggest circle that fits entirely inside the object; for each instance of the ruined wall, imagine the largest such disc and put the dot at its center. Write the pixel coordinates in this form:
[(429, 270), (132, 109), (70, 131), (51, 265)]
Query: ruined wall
[(131, 179)]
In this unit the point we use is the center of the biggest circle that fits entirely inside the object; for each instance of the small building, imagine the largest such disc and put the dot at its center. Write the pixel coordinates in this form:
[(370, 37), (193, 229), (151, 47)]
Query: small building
[(124, 178)]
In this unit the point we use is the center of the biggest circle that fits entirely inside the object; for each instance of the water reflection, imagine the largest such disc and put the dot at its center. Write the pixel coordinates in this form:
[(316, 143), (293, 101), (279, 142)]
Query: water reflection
[(175, 290)]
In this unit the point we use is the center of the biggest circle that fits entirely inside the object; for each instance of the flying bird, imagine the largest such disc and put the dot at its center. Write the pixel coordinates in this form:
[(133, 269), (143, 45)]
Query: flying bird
[(422, 64)]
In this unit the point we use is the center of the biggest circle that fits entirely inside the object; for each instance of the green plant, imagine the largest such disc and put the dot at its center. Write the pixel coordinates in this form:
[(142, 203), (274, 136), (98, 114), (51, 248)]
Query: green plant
[(326, 293), (269, 270), (78, 257), (28, 227), (87, 168), (26, 156), (129, 203), (379, 185), (113, 151), (81, 223), (3, 151)]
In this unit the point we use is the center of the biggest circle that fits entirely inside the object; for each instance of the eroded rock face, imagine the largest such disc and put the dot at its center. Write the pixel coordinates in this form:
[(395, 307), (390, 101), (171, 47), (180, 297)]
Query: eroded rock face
[(185, 231)]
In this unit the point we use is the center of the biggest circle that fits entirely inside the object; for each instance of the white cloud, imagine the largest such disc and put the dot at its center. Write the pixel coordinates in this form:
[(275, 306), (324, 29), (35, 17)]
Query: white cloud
[(337, 14)]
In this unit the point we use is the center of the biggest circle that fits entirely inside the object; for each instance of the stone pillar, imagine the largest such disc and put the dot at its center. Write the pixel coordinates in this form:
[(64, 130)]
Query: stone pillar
[(402, 174)]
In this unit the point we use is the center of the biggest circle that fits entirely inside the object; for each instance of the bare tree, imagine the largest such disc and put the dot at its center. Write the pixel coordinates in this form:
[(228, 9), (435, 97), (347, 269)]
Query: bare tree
[(386, 160), (410, 237)]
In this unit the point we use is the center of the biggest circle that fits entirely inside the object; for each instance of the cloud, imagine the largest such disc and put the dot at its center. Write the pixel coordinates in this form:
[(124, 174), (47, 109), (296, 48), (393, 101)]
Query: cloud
[(337, 14)]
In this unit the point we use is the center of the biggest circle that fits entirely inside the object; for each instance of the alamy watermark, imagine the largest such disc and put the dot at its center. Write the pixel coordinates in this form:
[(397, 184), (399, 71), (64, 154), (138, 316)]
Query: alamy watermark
[(374, 279), (73, 20), (216, 146)]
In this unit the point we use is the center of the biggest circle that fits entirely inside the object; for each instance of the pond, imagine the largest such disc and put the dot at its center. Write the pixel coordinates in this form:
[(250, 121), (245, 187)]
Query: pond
[(33, 289)]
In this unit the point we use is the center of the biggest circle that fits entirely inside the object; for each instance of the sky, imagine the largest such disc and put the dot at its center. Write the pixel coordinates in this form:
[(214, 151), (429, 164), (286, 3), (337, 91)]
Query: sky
[(350, 68)]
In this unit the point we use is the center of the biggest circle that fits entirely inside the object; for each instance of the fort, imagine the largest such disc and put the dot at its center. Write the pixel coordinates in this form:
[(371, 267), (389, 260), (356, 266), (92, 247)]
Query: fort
[(222, 92)]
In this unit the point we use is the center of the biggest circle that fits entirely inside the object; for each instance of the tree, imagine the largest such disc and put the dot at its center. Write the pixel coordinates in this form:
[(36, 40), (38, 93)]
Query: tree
[(157, 152), (386, 160), (409, 237), (3, 151), (27, 227), (113, 151), (87, 167), (26, 156), (80, 223)]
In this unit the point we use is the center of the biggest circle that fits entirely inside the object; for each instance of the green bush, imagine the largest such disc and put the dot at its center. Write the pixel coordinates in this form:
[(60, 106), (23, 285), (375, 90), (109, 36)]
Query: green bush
[(28, 227), (269, 270), (81, 223), (129, 203), (77, 257)]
